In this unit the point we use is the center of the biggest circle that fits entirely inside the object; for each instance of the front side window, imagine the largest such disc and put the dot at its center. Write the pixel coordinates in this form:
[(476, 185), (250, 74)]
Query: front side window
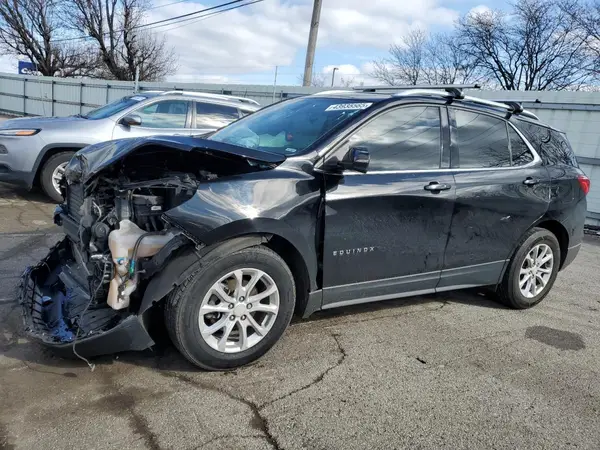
[(482, 140), (115, 107), (407, 138), (290, 127), (164, 114), (213, 116)]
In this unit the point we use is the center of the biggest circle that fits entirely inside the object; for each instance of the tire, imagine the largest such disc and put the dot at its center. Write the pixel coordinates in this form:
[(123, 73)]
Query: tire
[(509, 291), (183, 307), (48, 170)]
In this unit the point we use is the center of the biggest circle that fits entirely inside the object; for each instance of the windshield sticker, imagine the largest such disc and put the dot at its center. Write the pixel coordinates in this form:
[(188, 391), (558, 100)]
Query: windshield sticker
[(138, 99), (348, 106)]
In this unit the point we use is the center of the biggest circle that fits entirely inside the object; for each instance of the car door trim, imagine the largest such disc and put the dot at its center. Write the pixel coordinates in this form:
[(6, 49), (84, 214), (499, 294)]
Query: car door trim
[(470, 276), (475, 275)]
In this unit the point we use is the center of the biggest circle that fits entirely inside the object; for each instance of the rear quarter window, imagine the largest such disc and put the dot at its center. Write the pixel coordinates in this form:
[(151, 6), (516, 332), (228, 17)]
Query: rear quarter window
[(552, 146)]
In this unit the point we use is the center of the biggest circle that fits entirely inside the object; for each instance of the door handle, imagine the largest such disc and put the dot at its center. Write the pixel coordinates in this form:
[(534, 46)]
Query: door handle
[(530, 181), (435, 186)]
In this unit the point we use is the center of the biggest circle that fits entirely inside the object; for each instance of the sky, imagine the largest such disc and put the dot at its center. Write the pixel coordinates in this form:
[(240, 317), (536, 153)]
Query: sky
[(246, 44)]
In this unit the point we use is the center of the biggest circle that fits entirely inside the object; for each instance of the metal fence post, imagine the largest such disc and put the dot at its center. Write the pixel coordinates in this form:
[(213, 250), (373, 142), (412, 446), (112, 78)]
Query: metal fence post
[(81, 98), (107, 92), (52, 98), (24, 96)]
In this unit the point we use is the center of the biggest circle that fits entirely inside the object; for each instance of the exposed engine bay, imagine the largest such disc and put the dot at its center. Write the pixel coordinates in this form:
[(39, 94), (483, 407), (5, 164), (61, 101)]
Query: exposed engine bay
[(117, 239)]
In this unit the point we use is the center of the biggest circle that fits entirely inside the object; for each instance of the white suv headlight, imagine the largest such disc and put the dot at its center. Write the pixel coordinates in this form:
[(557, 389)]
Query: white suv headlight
[(19, 132)]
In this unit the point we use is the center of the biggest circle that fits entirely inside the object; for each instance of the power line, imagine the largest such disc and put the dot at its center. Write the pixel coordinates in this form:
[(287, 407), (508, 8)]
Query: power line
[(192, 20), (168, 4), (212, 8)]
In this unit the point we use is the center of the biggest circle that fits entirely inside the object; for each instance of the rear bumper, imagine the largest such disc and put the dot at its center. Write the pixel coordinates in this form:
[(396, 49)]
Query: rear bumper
[(572, 252), (53, 303)]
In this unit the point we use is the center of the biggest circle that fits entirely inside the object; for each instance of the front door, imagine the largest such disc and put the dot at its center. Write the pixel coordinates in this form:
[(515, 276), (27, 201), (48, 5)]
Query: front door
[(386, 230), (502, 189), (163, 117)]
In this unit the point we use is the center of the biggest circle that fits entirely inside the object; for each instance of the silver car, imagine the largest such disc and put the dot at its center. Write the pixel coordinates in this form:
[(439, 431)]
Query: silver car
[(35, 150)]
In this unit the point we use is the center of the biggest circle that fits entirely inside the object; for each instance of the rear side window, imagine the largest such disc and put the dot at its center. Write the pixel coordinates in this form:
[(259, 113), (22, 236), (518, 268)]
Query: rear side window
[(482, 140), (552, 146), (520, 154), (407, 138), (210, 115)]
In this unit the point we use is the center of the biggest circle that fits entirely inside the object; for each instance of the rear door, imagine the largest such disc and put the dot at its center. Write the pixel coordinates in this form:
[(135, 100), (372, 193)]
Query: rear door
[(502, 189), (212, 116), (386, 230), (165, 117)]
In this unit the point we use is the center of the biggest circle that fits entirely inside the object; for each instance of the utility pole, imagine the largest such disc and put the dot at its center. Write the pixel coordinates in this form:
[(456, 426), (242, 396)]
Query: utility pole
[(312, 43), (137, 79), (275, 84), (333, 75)]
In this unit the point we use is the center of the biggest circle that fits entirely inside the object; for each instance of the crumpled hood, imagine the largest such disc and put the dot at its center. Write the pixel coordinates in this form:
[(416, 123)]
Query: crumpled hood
[(40, 122), (90, 160)]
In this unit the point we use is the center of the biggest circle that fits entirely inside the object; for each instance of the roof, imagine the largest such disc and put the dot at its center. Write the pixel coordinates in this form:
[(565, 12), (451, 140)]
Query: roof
[(449, 93), (241, 102)]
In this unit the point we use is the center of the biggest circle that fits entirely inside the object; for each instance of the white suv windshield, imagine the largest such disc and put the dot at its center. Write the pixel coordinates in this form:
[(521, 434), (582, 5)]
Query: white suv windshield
[(115, 107), (291, 126)]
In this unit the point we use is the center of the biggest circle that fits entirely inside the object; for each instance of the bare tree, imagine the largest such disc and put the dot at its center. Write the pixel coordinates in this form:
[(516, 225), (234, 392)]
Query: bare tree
[(587, 16), (115, 26), (318, 79), (538, 46), (422, 58), (33, 28), (405, 62)]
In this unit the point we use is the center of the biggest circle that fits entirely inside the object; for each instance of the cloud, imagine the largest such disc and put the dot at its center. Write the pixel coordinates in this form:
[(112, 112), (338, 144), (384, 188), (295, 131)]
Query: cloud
[(479, 9), (258, 37), (8, 64)]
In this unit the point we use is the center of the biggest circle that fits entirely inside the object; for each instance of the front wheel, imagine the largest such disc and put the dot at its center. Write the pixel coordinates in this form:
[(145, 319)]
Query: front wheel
[(232, 311), (532, 270), (52, 173)]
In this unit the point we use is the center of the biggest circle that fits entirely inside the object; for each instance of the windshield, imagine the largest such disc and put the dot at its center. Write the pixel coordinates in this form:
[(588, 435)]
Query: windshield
[(115, 107), (291, 126)]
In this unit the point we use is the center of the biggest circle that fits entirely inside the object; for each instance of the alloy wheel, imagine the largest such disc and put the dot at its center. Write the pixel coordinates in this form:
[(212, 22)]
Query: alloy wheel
[(239, 310), (536, 270), (58, 175)]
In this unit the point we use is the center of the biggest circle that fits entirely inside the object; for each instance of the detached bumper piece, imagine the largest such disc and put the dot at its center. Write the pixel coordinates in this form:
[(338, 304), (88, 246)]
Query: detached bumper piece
[(53, 295)]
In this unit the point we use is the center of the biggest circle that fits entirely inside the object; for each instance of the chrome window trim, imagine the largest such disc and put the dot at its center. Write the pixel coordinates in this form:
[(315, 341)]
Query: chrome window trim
[(537, 160)]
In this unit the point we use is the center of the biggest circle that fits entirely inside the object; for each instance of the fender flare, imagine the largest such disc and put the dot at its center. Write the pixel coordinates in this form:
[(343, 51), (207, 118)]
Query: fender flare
[(179, 268), (46, 149)]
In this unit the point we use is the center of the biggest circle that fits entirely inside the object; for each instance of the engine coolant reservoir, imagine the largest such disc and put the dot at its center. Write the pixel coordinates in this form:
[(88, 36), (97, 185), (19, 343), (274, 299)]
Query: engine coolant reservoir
[(121, 243)]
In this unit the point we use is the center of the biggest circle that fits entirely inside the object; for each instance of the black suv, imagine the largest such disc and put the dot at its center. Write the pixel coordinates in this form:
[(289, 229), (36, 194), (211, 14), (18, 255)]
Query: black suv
[(313, 203)]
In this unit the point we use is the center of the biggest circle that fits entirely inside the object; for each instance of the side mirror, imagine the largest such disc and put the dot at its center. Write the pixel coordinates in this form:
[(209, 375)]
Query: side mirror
[(357, 159), (131, 121)]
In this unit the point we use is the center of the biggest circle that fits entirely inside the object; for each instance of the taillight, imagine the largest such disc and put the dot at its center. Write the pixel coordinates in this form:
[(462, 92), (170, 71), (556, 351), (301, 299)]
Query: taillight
[(584, 182)]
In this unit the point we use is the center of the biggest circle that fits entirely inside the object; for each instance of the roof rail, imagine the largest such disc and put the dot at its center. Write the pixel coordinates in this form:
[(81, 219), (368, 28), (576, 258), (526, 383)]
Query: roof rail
[(518, 109), (511, 107), (454, 89), (334, 91), (215, 96)]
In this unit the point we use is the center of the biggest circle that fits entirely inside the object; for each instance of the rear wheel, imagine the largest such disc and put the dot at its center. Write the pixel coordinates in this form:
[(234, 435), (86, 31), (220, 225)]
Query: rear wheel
[(232, 311), (51, 174), (532, 270)]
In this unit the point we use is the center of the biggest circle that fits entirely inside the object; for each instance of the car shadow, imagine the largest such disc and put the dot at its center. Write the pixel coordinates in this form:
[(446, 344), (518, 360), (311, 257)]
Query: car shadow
[(165, 357), (9, 191)]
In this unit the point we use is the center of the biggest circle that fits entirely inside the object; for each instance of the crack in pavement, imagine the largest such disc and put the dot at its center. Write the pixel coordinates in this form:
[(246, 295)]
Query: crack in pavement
[(259, 421), (137, 422), (27, 244), (318, 379), (219, 438)]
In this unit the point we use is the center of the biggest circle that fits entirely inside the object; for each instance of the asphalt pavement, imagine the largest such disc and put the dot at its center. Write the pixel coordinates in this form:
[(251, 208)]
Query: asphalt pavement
[(449, 371)]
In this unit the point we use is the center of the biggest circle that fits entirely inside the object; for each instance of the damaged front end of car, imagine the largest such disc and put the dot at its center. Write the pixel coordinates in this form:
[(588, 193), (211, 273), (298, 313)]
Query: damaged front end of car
[(89, 289)]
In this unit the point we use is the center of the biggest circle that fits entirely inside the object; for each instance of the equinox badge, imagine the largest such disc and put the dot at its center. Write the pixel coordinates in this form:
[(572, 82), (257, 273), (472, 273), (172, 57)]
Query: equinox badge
[(353, 251)]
